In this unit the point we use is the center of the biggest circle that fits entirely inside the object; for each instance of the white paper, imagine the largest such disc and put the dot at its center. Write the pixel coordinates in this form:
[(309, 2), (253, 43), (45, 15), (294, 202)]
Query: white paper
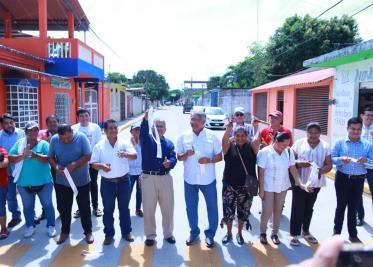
[(313, 178), (18, 166), (353, 160), (368, 166), (157, 139), (71, 182)]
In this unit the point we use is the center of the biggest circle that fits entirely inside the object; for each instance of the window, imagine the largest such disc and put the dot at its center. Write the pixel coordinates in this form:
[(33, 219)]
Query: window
[(61, 106), (312, 105), (260, 107), (91, 103), (22, 103), (280, 101)]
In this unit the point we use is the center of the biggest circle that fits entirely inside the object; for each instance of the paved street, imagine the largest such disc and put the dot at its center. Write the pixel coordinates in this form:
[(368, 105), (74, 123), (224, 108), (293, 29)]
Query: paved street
[(42, 251)]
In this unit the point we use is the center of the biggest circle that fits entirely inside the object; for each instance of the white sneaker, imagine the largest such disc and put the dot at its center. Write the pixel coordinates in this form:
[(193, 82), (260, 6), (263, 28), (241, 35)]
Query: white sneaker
[(51, 231), (29, 232)]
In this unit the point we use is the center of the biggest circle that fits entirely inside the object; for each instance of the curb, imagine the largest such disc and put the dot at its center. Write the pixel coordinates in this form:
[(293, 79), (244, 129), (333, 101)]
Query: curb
[(331, 175), (128, 124)]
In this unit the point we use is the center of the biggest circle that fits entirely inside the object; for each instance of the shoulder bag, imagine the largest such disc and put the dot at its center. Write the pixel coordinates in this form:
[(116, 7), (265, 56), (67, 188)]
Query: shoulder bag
[(251, 182)]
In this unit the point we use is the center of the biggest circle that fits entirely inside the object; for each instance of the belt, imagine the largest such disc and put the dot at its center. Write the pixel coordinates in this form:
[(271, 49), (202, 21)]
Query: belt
[(354, 176), (115, 180), (155, 173)]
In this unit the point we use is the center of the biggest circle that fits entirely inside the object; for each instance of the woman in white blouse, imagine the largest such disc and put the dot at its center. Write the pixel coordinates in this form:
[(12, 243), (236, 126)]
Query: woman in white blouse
[(274, 163)]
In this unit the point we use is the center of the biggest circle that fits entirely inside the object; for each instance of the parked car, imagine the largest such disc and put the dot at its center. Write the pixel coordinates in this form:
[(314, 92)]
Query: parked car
[(168, 103), (198, 108), (215, 118), (187, 107)]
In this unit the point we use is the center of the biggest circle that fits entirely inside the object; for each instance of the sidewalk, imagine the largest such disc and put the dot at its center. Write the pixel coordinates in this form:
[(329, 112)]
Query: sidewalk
[(122, 125)]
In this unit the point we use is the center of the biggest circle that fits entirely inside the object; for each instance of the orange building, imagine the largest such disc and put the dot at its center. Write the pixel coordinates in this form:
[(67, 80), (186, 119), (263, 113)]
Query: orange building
[(302, 98), (40, 75)]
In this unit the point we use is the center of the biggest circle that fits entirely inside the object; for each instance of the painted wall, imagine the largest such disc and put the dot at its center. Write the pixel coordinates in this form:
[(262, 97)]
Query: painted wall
[(137, 105), (346, 94)]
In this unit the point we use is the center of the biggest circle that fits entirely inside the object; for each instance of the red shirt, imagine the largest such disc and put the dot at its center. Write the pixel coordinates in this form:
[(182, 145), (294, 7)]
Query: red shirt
[(266, 133), (4, 171)]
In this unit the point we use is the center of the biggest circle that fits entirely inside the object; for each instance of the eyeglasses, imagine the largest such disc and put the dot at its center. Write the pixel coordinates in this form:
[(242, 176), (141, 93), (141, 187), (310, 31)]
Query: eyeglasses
[(239, 114)]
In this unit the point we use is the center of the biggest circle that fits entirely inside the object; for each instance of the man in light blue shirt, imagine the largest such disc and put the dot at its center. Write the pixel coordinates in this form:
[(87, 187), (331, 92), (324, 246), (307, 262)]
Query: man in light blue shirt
[(9, 135), (350, 155), (367, 131)]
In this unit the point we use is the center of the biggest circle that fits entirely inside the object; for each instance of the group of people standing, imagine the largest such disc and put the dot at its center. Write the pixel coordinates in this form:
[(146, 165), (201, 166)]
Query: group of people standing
[(264, 163)]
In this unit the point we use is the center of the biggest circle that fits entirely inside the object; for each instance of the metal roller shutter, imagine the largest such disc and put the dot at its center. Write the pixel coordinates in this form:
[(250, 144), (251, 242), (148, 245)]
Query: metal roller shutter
[(260, 109), (312, 105)]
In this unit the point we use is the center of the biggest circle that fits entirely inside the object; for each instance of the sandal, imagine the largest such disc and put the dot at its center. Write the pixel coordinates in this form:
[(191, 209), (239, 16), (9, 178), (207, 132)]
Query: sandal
[(263, 239), (275, 239), (240, 239), (310, 238), (294, 241), (4, 235)]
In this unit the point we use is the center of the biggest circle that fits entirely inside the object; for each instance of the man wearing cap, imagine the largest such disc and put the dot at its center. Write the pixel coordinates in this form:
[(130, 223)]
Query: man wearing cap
[(268, 133), (110, 157), (71, 152), (158, 158), (239, 120), (135, 166), (9, 135)]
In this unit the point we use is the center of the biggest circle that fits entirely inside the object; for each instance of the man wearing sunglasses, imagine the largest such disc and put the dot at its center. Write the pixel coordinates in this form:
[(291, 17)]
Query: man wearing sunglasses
[(239, 120)]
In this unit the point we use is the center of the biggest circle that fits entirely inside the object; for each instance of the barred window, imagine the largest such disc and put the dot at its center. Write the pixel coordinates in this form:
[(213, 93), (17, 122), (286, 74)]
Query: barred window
[(61, 107)]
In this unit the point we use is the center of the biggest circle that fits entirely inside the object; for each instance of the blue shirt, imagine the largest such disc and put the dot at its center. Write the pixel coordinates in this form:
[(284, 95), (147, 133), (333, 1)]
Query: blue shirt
[(150, 162), (355, 150), (136, 165), (68, 153), (7, 141)]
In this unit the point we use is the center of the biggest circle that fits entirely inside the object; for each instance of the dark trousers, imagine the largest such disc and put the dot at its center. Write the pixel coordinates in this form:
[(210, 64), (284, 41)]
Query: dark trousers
[(94, 187), (119, 191), (301, 210), (348, 191), (136, 179), (65, 198), (360, 206)]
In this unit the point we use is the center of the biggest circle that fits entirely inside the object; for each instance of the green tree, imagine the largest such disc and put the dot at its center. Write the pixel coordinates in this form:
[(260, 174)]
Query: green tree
[(155, 84), (174, 95), (301, 38), (213, 82), (116, 77)]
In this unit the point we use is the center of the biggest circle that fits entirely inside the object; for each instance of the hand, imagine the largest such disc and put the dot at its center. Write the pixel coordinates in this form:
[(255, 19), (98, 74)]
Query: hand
[(59, 170), (190, 152), (326, 255), (204, 160), (122, 154), (105, 167), (362, 160), (26, 152), (166, 163), (34, 155), (346, 160), (71, 167), (272, 138), (261, 194), (303, 164), (308, 189), (230, 125)]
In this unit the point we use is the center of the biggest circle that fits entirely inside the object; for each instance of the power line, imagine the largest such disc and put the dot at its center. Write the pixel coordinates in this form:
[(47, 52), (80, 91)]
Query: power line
[(361, 10), (333, 6)]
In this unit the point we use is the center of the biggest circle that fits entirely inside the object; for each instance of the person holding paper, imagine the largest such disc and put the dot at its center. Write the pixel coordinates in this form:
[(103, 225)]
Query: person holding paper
[(69, 154), (199, 149), (110, 157), (9, 135), (93, 132), (34, 177), (308, 151), (349, 155), (158, 158), (367, 118)]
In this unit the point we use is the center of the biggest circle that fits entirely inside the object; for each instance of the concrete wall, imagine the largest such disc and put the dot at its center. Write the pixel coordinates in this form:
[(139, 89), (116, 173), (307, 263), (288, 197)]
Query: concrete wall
[(228, 100), (137, 105)]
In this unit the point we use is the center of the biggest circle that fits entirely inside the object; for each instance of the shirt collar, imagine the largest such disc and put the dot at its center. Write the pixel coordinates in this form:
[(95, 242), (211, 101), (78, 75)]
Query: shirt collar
[(349, 141)]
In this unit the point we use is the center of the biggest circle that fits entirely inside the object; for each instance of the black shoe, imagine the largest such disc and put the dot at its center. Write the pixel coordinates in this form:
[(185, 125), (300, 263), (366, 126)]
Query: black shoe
[(77, 214), (226, 239), (14, 222), (36, 221), (149, 242), (359, 222), (97, 212), (240, 239), (171, 240), (263, 239), (42, 216), (209, 242), (193, 239)]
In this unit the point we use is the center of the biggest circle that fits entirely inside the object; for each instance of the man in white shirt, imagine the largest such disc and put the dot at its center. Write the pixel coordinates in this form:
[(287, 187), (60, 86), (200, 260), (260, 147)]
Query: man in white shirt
[(110, 157), (200, 149), (93, 133), (367, 134)]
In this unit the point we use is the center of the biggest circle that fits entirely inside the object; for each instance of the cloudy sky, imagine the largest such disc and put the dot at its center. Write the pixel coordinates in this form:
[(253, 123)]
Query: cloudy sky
[(184, 39)]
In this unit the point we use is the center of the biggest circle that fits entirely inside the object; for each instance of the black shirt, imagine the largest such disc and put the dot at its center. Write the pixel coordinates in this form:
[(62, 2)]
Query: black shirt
[(234, 173)]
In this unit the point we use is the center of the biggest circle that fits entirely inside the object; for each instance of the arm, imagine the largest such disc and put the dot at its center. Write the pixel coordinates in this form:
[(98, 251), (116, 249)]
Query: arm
[(5, 161), (181, 154), (172, 156), (40, 157), (255, 145), (80, 162), (101, 166), (261, 181), (144, 129), (225, 142), (328, 165), (13, 153)]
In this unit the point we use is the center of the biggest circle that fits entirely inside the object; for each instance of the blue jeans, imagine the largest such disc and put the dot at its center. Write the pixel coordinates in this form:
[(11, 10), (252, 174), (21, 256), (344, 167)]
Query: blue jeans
[(12, 199), (360, 206), (191, 201), (3, 193), (28, 201), (110, 191), (136, 179)]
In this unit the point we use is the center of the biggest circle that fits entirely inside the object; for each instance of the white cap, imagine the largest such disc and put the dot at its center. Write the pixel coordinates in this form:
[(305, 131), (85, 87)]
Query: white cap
[(239, 110)]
